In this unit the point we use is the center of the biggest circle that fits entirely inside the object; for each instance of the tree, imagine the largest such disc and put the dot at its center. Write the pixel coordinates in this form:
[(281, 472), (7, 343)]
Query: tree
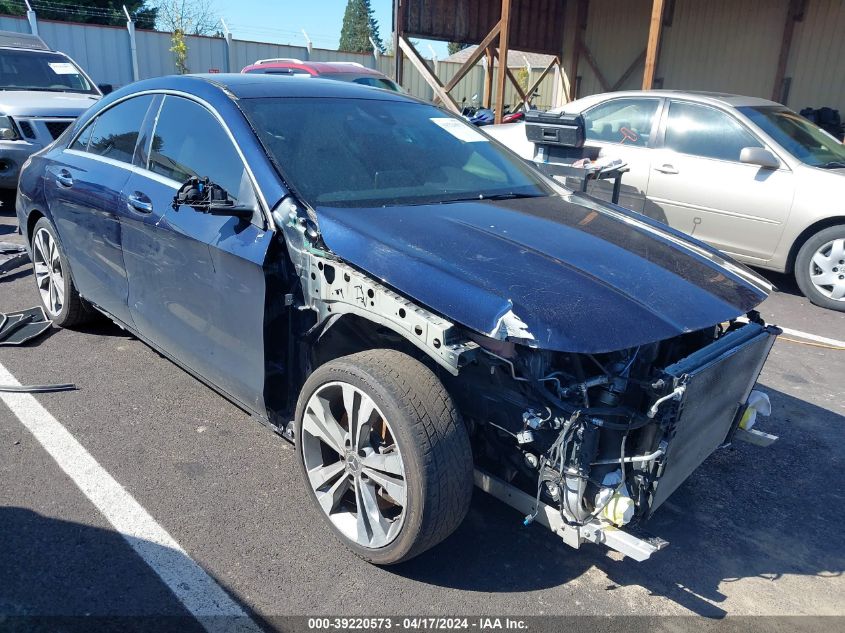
[(359, 25), (190, 17), (454, 47), (108, 12)]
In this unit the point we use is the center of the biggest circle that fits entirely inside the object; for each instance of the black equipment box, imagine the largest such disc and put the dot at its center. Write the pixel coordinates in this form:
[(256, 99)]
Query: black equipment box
[(548, 128)]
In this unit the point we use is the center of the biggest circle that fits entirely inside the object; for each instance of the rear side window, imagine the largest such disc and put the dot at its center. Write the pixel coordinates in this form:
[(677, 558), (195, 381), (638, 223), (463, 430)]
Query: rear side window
[(189, 141), (623, 121), (707, 132), (114, 133)]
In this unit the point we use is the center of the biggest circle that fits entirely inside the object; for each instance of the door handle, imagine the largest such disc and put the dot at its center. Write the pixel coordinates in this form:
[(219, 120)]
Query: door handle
[(666, 169), (139, 202), (64, 178)]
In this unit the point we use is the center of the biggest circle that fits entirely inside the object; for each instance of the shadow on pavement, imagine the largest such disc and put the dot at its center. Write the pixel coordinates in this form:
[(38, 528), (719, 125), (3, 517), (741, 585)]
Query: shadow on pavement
[(64, 576), (746, 512)]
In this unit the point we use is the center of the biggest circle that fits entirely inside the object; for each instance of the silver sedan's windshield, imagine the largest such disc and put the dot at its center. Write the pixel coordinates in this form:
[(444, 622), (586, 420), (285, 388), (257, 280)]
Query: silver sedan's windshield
[(46, 72), (798, 136), (372, 153)]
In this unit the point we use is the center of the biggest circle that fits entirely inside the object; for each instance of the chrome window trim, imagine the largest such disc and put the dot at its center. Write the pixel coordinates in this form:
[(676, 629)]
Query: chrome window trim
[(262, 201)]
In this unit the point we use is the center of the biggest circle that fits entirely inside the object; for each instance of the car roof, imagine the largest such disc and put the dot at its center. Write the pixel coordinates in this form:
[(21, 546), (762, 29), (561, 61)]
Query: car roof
[(713, 98), (318, 67), (250, 86), (25, 41)]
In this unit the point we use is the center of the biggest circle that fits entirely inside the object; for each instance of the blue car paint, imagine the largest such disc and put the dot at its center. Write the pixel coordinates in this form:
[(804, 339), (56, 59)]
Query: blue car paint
[(209, 291), (578, 279)]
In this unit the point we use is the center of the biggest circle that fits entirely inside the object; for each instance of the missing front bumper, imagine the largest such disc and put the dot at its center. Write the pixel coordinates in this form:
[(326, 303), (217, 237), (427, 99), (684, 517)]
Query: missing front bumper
[(595, 531)]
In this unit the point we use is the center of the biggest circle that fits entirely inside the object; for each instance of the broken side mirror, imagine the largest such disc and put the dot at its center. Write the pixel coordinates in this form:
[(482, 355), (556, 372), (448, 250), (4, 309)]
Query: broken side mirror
[(207, 197)]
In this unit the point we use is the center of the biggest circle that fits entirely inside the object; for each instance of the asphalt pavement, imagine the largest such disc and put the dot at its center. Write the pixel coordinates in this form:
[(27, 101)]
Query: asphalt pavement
[(754, 531)]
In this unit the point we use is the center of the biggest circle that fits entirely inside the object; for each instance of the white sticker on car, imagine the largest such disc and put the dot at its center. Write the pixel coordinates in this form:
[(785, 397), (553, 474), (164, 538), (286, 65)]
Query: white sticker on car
[(459, 130), (63, 68)]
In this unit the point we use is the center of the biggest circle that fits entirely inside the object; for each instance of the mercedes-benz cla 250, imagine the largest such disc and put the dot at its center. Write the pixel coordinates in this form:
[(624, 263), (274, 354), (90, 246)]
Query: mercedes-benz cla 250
[(410, 303)]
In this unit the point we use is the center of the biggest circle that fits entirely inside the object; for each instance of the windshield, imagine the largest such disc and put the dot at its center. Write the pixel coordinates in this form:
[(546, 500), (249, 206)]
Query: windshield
[(368, 153), (48, 72), (798, 136)]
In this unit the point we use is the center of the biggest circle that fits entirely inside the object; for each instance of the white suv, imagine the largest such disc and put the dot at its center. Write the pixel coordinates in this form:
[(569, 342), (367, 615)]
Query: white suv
[(41, 94)]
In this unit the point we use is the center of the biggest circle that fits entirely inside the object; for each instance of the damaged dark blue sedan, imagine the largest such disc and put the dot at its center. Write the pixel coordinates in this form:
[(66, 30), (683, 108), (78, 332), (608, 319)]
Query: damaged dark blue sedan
[(413, 305)]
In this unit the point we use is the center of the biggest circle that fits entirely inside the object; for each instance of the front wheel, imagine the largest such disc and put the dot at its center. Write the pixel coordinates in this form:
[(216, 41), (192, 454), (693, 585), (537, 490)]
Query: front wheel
[(820, 268), (384, 454)]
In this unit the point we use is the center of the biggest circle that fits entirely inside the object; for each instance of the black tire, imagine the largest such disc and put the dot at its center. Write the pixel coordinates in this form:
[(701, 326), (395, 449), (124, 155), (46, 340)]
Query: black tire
[(74, 310), (804, 260), (428, 432)]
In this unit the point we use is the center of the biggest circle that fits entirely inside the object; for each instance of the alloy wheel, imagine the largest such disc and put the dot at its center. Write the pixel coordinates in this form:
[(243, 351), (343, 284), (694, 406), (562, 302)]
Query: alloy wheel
[(353, 464), (827, 269), (49, 275)]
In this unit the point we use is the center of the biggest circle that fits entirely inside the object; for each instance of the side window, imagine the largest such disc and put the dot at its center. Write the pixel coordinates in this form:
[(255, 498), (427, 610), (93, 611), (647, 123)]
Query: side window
[(81, 142), (115, 131), (704, 131), (623, 121), (188, 141)]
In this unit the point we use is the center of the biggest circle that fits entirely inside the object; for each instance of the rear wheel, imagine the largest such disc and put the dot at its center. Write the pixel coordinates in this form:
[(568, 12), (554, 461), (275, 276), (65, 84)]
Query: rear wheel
[(820, 268), (384, 454), (59, 297)]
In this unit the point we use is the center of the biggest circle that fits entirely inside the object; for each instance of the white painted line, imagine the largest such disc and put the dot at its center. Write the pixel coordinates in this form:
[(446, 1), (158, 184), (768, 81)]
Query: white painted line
[(805, 335), (193, 587)]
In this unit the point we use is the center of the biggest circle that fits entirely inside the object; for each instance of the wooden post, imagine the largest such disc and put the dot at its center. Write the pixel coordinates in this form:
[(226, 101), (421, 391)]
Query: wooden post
[(792, 16), (488, 80), (504, 34), (419, 63), (653, 46), (398, 28), (472, 60)]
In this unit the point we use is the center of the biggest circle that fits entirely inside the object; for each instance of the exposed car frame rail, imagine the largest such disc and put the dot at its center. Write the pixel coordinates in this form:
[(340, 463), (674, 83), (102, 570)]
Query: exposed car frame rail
[(593, 531)]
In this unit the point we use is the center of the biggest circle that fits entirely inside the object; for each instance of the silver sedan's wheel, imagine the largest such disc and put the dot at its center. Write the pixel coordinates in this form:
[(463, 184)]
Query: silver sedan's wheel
[(353, 464), (49, 275), (827, 269), (820, 268), (384, 454)]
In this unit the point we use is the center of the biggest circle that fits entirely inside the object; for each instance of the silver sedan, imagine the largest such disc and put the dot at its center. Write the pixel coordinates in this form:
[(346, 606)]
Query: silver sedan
[(748, 176)]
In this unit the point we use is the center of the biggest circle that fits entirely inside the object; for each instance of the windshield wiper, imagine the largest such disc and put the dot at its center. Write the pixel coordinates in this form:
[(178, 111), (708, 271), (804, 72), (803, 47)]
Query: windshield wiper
[(493, 196), (834, 164)]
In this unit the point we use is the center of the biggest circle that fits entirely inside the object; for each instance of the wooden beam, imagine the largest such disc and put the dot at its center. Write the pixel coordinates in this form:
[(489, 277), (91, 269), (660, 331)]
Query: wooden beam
[(653, 47), (580, 23), (514, 81), (591, 61), (529, 94), (398, 29), (488, 80), (628, 72), (431, 79), (505, 28), (792, 14), (473, 59)]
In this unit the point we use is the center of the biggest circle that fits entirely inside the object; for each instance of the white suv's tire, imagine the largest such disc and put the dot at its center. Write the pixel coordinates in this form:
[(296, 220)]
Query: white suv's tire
[(820, 268)]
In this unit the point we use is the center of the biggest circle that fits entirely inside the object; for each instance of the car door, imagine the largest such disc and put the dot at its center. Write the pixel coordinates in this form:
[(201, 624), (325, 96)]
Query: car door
[(83, 188), (624, 128), (702, 187), (196, 281)]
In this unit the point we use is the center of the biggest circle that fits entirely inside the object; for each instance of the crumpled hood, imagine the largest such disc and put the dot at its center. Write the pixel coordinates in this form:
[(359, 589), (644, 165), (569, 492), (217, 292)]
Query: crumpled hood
[(562, 273), (42, 103)]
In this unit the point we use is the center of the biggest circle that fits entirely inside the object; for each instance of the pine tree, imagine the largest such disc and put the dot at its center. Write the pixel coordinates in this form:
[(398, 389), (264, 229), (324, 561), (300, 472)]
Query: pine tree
[(359, 25)]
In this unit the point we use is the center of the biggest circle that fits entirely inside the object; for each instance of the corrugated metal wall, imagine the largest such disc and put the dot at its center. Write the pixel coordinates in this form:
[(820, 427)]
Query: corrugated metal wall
[(817, 60), (723, 45), (616, 34)]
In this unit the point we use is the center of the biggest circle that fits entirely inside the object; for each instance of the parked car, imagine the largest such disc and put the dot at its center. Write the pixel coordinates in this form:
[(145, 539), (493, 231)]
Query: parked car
[(745, 175), (340, 71), (41, 93), (412, 304)]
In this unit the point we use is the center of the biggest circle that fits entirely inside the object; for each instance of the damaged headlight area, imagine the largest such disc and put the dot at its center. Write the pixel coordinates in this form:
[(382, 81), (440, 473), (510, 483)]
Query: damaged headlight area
[(602, 440)]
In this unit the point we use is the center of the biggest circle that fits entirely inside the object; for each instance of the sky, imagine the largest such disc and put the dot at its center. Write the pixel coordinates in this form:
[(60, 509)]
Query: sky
[(282, 21)]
